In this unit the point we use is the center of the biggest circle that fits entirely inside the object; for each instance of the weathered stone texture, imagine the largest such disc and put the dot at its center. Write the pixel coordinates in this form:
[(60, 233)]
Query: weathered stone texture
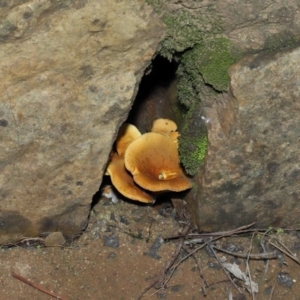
[(252, 168), (254, 25), (69, 72)]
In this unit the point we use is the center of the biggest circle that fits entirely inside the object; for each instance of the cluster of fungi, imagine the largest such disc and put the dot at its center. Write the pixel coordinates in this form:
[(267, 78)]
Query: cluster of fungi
[(147, 162)]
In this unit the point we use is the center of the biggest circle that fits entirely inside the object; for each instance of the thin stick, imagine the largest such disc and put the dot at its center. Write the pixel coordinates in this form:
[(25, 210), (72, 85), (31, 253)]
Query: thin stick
[(202, 246), (248, 268), (285, 252), (258, 256), (239, 230), (264, 251), (36, 286), (203, 281), (285, 247), (146, 289), (272, 292), (224, 270), (160, 280), (226, 233), (169, 265), (219, 286)]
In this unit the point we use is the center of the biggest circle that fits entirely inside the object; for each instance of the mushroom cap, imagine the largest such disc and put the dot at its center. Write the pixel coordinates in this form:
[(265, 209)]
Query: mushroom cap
[(127, 134), (163, 125), (153, 161), (124, 182), (167, 127)]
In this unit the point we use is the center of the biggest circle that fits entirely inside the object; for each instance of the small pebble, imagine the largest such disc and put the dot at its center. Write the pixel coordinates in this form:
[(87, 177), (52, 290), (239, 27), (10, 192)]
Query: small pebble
[(112, 255), (155, 247), (268, 290), (55, 239), (285, 279), (111, 241), (124, 220), (113, 217), (161, 295), (176, 288), (214, 265)]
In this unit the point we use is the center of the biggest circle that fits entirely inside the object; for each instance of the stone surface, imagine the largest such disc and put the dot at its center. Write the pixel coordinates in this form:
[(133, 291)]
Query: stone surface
[(69, 74), (254, 25), (248, 175), (251, 25), (252, 167)]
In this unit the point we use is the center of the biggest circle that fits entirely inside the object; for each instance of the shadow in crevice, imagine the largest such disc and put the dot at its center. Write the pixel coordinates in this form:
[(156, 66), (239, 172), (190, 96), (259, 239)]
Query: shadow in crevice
[(156, 97)]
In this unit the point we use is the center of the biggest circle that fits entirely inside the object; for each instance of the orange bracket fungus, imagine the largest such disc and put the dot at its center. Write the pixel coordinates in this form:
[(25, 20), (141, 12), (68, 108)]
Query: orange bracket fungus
[(163, 125), (123, 181), (153, 161), (149, 161), (167, 127), (127, 134)]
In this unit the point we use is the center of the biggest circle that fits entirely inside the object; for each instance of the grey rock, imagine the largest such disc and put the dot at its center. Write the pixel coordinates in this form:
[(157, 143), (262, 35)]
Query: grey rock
[(253, 26), (252, 169), (69, 73)]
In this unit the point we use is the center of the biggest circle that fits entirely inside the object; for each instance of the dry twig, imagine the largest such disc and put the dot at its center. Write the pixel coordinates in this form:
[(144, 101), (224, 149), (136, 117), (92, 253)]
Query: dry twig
[(285, 252), (36, 286), (207, 239), (203, 281), (248, 268), (264, 250), (224, 270), (160, 282), (257, 256), (272, 292)]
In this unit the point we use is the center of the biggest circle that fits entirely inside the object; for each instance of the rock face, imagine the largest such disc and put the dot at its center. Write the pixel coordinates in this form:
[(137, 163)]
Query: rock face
[(69, 74), (252, 167), (253, 25)]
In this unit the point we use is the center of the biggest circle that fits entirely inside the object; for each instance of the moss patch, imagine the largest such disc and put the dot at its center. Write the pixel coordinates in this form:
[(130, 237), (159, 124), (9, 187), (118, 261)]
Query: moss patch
[(185, 30), (195, 40), (215, 57), (193, 140), (192, 152)]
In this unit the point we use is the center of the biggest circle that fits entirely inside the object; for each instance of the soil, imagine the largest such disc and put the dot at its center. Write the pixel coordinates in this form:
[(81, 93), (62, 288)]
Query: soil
[(122, 252)]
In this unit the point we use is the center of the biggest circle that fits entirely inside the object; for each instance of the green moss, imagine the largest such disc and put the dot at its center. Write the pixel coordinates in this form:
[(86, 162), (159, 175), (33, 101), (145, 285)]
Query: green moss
[(193, 140), (192, 153), (156, 4), (185, 30), (195, 40), (216, 57), (206, 63)]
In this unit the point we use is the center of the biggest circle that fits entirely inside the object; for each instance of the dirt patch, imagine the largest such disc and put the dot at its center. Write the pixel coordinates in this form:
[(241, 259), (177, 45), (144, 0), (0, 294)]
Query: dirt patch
[(122, 252)]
